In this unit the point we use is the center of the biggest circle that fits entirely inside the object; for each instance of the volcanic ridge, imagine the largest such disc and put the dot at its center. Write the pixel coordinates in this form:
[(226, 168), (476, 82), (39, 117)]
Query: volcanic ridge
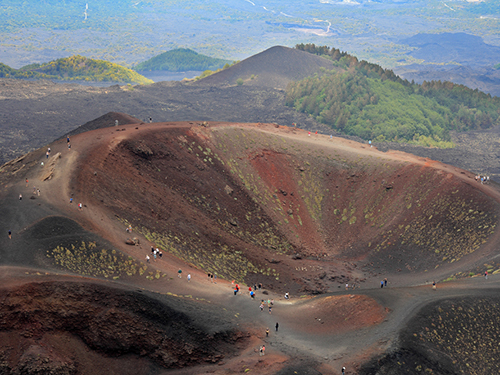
[(324, 219)]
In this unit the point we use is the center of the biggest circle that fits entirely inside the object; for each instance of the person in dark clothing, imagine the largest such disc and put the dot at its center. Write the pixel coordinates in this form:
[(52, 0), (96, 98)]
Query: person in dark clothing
[(277, 326)]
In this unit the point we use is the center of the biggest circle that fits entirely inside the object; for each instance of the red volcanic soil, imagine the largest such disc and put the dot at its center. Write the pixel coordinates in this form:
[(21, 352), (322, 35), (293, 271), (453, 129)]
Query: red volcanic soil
[(252, 203), (338, 314)]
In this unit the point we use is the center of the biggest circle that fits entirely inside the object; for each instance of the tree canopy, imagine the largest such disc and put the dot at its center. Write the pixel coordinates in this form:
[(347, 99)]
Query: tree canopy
[(76, 68), (179, 60), (365, 100)]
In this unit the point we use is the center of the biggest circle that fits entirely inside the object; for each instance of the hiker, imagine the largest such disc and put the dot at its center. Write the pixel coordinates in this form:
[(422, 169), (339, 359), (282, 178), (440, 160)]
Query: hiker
[(235, 291), (382, 284), (69, 146), (486, 275), (267, 332), (385, 282), (160, 254), (370, 143), (189, 277), (179, 273), (260, 286), (215, 279), (79, 204), (270, 310), (147, 258), (252, 294), (211, 277), (47, 154), (261, 306), (208, 275), (346, 286), (260, 351), (152, 249), (70, 200), (434, 285), (287, 296), (20, 197), (309, 134), (26, 182), (150, 120), (263, 350), (343, 370), (10, 234), (67, 139), (277, 326)]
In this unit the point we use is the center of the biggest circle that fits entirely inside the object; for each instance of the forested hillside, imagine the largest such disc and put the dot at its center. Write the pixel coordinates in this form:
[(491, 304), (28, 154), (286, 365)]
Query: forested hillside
[(368, 101), (8, 72), (81, 68), (76, 68), (180, 60)]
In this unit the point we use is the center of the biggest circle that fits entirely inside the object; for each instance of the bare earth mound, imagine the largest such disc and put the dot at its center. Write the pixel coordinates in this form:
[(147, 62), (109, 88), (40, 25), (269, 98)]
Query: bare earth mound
[(275, 67)]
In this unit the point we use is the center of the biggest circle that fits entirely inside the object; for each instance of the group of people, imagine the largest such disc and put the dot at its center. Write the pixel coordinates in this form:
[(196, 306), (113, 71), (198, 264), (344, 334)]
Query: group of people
[(155, 252), (270, 304), (482, 179), (212, 277), (251, 292)]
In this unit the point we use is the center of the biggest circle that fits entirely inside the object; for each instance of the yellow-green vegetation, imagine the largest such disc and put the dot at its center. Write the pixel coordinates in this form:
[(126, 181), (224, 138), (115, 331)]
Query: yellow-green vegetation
[(84, 69), (226, 262), (87, 260), (8, 72), (467, 330), (448, 227)]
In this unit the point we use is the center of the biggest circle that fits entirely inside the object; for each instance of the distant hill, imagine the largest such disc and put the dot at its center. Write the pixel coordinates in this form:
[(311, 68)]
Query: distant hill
[(82, 68), (8, 72), (180, 60), (275, 67), (76, 68), (461, 48)]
